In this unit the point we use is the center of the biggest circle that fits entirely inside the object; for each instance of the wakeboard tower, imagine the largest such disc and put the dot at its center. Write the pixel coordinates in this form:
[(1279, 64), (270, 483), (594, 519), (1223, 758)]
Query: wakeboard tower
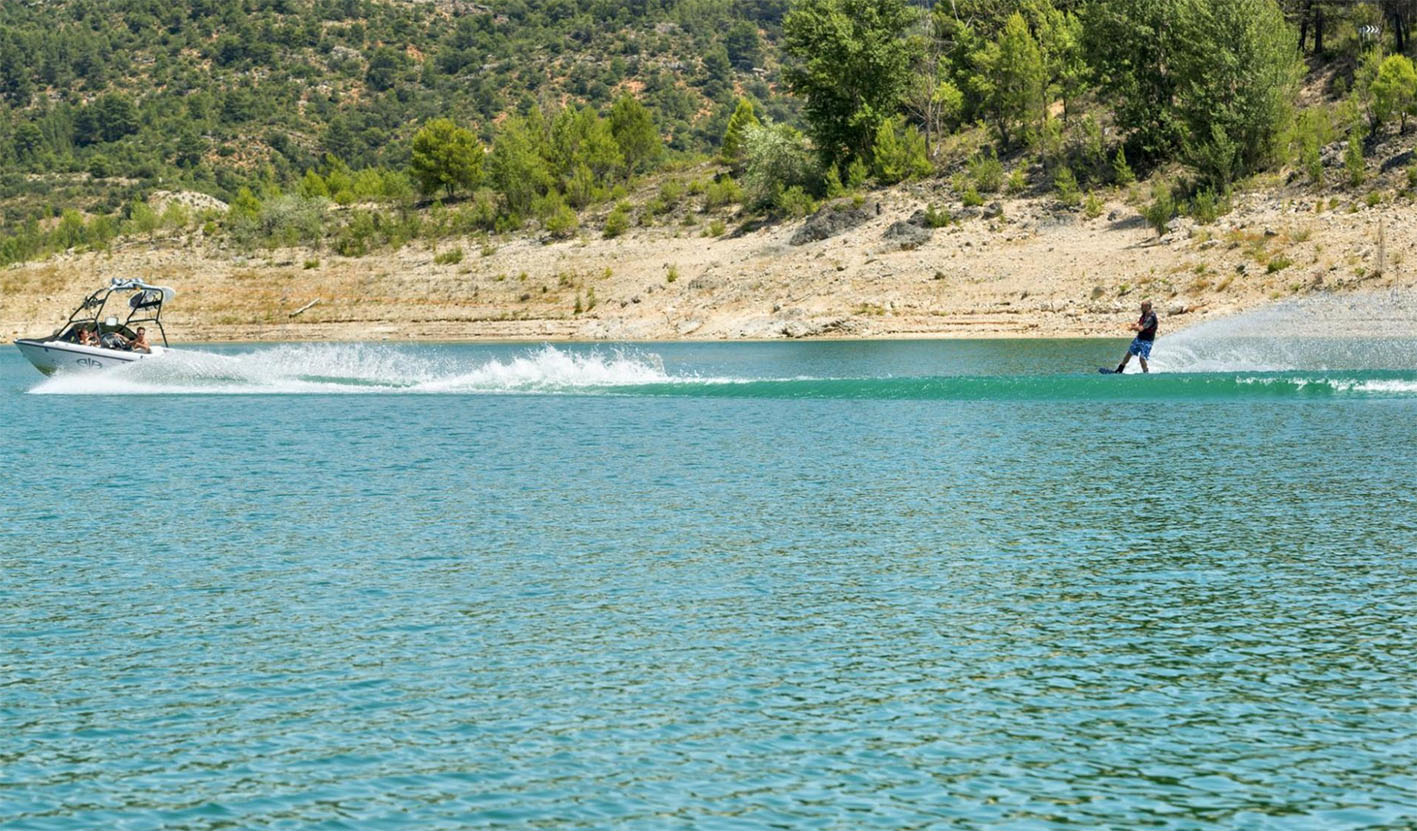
[(89, 339)]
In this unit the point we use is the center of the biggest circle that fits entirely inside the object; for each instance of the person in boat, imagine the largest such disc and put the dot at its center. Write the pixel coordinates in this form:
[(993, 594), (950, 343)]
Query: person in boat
[(1145, 327), (140, 341), (87, 337)]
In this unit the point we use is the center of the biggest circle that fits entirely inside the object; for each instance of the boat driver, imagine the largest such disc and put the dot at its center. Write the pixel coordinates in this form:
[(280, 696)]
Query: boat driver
[(140, 341)]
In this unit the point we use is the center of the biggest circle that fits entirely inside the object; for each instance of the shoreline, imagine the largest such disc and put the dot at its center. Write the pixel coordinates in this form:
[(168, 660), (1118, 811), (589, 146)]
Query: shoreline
[(1032, 269)]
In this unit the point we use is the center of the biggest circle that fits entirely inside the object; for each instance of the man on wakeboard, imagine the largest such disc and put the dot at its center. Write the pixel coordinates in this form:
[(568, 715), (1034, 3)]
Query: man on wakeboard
[(1145, 327)]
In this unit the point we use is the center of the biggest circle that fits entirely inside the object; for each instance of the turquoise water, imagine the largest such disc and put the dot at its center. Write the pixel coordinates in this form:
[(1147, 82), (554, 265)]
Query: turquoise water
[(737, 586)]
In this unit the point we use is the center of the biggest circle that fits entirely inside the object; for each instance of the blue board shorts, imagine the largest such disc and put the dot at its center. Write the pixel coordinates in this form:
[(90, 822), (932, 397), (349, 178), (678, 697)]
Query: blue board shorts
[(1141, 348)]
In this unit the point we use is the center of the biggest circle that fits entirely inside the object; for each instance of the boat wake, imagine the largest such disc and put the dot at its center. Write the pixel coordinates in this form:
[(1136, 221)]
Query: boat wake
[(341, 369), (322, 369)]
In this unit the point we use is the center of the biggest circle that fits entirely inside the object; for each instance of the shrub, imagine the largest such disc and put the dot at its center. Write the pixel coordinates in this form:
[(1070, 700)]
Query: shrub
[(723, 192), (1121, 171), (777, 161), (1394, 90), (856, 174), (987, 172), (1353, 158), (672, 274), (1092, 206), (1018, 182), (284, 220), (618, 221), (312, 185), (355, 238), (1313, 162), (1207, 206), (561, 221), (480, 213), (175, 215), (936, 218), (898, 152), (582, 188), (1278, 264), (671, 191), (971, 198), (1067, 186), (1312, 130), (450, 257), (1162, 208), (143, 220), (796, 202), (100, 231), (717, 228)]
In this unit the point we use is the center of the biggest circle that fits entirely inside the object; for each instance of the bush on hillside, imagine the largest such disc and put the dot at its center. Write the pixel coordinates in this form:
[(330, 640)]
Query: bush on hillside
[(777, 160)]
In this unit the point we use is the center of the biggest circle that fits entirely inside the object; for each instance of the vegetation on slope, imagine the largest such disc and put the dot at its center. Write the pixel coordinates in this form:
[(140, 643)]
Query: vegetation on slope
[(361, 124)]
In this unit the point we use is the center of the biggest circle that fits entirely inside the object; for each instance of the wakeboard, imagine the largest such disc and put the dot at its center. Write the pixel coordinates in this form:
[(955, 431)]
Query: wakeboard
[(1107, 370)]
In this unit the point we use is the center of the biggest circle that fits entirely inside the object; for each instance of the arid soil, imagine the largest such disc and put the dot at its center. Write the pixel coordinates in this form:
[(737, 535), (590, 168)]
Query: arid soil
[(1015, 267)]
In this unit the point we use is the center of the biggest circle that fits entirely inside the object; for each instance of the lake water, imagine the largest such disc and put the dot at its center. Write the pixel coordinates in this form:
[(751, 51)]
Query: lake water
[(964, 584)]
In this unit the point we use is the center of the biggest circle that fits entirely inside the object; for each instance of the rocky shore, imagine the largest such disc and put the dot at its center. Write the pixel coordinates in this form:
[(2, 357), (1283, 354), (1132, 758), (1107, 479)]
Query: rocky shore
[(873, 268)]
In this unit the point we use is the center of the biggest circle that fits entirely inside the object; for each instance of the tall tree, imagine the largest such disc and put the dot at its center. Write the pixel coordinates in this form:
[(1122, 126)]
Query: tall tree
[(445, 157), (850, 60), (516, 167), (1011, 82), (1400, 14), (1237, 70), (634, 131), (1131, 46), (931, 99), (744, 116)]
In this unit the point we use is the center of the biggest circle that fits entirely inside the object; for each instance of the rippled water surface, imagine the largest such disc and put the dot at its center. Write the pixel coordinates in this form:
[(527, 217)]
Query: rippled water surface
[(816, 586)]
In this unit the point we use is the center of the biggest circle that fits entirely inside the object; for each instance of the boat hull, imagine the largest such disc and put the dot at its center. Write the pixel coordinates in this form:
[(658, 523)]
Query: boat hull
[(54, 356)]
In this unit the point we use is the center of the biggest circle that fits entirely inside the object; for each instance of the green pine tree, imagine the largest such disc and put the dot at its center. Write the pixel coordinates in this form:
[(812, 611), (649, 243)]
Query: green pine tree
[(744, 115), (444, 157)]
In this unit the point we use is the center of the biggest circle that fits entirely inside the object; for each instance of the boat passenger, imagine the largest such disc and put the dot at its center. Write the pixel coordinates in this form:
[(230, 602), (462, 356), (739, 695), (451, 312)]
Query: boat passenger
[(140, 343), (87, 337)]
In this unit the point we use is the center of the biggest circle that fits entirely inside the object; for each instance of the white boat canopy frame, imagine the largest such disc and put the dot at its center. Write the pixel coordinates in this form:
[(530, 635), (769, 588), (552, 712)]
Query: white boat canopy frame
[(144, 306)]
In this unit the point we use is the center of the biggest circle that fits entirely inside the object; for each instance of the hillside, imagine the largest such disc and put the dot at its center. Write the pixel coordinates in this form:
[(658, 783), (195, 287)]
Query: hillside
[(593, 169), (1035, 269), (215, 94)]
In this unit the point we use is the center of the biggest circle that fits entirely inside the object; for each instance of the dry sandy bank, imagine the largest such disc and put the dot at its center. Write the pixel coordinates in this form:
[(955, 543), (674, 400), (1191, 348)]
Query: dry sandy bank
[(1020, 267)]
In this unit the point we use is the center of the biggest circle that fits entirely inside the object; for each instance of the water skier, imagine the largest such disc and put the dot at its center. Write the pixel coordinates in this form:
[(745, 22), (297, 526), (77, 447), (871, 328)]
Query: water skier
[(1145, 327)]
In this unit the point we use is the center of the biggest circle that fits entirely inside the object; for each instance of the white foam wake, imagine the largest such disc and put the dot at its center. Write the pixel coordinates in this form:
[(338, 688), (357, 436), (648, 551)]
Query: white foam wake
[(363, 368), (1322, 332)]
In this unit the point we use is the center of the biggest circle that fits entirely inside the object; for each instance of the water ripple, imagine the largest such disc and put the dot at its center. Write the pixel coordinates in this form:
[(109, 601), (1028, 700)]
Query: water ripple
[(593, 613)]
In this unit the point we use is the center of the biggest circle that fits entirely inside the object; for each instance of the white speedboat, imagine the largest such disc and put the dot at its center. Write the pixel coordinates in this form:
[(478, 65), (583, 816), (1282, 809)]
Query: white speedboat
[(89, 340)]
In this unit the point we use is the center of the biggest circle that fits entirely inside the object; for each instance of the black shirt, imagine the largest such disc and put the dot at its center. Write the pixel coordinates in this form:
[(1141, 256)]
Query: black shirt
[(1147, 322)]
